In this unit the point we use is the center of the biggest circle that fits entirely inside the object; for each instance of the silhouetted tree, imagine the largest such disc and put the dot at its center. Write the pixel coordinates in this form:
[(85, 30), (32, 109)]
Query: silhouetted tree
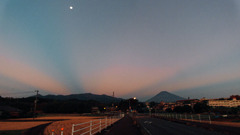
[(169, 110), (226, 110), (201, 107), (182, 109)]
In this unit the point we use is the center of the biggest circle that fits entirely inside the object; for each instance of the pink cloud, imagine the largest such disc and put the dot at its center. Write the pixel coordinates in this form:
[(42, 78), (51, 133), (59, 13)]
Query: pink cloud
[(28, 75), (125, 79)]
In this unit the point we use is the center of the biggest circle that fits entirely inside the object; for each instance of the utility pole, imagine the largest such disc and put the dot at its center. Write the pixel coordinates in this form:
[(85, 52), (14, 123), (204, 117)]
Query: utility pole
[(35, 103), (113, 100)]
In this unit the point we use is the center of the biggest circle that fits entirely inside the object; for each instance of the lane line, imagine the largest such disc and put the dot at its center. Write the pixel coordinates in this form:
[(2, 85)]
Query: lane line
[(146, 130)]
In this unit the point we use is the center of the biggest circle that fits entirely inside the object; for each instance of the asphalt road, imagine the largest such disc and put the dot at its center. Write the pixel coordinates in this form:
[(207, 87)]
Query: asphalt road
[(156, 126), (125, 126)]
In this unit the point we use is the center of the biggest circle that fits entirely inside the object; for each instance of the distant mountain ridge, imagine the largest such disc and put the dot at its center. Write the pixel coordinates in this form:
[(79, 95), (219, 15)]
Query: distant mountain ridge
[(84, 96), (165, 97)]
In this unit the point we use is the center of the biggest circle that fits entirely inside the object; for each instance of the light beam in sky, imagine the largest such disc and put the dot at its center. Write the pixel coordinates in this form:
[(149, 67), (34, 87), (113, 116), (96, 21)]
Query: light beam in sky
[(134, 48), (30, 76)]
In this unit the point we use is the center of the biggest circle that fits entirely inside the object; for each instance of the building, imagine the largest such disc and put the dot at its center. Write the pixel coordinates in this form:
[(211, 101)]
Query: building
[(95, 110), (188, 102), (169, 106), (237, 97), (231, 102)]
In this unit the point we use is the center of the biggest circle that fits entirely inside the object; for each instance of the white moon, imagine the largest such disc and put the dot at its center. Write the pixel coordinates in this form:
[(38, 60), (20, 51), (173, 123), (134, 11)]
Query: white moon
[(71, 7)]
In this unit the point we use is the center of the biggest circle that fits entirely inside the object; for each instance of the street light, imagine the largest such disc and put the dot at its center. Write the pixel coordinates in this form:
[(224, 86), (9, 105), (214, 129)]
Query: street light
[(129, 107), (134, 98)]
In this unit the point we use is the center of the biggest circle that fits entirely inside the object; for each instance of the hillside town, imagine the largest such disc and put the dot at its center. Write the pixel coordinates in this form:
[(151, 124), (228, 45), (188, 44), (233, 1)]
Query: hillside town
[(189, 104)]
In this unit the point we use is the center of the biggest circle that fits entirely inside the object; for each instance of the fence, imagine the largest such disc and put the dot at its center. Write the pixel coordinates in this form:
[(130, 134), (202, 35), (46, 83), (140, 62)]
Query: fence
[(189, 117), (94, 126)]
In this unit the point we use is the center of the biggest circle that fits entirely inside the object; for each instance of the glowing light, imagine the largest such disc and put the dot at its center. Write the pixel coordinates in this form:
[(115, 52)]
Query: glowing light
[(71, 7)]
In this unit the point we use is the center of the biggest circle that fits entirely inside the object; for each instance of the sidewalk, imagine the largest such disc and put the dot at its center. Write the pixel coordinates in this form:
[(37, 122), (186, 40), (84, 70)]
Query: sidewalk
[(124, 126)]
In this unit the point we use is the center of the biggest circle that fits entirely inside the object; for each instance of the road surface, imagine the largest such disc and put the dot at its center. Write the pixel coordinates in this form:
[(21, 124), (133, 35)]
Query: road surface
[(125, 126), (156, 126)]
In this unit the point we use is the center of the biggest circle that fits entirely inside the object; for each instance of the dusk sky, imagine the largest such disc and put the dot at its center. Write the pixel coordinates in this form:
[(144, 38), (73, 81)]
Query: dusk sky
[(136, 48)]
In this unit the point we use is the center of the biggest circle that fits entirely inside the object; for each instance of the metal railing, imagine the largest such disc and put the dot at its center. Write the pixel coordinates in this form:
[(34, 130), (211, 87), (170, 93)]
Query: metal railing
[(188, 117), (94, 126)]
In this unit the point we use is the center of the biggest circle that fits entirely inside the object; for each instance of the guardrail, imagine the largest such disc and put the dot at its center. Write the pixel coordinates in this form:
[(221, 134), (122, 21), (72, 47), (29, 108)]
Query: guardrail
[(189, 117), (94, 126)]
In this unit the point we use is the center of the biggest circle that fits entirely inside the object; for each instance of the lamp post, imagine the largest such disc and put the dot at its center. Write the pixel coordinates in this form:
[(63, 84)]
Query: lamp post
[(129, 107), (129, 104)]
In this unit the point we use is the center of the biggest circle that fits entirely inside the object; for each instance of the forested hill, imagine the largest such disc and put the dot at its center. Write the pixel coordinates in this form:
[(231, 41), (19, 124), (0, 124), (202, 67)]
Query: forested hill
[(85, 97)]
